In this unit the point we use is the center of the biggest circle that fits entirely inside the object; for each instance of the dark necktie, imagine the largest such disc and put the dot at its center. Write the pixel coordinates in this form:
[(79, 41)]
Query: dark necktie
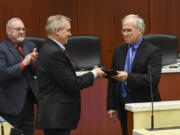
[(20, 50), (65, 51)]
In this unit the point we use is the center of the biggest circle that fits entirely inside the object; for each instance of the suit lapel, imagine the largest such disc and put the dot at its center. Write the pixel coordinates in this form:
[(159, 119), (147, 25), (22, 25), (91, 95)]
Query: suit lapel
[(138, 54), (58, 47), (25, 49), (13, 50), (124, 57)]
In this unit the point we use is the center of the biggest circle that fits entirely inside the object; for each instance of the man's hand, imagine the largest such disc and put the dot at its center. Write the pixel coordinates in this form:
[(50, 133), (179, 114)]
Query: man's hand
[(34, 56), (27, 60), (113, 115), (121, 76), (30, 58), (99, 71)]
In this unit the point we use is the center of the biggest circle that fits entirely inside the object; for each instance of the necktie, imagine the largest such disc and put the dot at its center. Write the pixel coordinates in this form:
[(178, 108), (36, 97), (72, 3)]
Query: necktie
[(20, 50), (129, 60), (124, 88), (65, 51)]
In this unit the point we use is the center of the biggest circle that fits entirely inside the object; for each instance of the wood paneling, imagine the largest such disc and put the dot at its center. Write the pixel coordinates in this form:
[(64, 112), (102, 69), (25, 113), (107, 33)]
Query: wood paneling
[(165, 16), (26, 10), (96, 17), (53, 7), (123, 8), (94, 117), (169, 87)]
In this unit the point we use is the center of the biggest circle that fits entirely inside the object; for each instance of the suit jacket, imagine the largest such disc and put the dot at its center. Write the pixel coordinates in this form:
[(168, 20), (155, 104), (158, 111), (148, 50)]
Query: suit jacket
[(59, 89), (14, 82), (138, 80)]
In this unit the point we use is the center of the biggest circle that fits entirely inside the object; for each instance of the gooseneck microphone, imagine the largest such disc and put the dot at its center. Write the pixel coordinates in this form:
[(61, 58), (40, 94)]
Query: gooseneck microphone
[(152, 100)]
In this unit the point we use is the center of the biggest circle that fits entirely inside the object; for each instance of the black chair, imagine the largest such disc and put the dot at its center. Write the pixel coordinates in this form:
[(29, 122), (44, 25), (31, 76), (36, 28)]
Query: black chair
[(84, 52), (39, 41), (168, 44)]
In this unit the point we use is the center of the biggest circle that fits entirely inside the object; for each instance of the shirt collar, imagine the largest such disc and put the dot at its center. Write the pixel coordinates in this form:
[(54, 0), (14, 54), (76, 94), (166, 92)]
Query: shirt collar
[(59, 44), (136, 45)]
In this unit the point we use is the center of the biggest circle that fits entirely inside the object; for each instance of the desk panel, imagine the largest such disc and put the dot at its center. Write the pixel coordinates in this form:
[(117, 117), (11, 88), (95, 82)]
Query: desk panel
[(169, 86)]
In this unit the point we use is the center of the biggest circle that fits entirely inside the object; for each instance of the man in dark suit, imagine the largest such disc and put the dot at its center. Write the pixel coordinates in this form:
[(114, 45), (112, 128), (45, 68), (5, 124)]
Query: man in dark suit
[(59, 88), (133, 61), (17, 83)]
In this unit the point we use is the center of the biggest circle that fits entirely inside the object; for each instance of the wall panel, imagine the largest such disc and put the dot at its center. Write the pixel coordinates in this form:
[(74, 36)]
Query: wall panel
[(165, 16), (26, 10), (125, 7), (94, 118), (169, 86), (96, 17), (53, 7)]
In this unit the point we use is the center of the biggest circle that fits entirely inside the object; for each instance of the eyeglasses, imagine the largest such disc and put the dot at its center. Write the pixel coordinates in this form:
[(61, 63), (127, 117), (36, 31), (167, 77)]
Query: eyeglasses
[(18, 29)]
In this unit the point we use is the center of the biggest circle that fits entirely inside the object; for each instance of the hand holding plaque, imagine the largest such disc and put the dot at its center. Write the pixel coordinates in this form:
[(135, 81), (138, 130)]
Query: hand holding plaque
[(110, 72)]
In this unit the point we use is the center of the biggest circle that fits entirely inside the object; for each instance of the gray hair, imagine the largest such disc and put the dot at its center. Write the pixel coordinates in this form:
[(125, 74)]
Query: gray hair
[(9, 23), (138, 21), (54, 22)]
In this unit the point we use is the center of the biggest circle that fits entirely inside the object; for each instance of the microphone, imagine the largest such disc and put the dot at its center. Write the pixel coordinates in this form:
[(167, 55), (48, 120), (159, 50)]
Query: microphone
[(152, 100)]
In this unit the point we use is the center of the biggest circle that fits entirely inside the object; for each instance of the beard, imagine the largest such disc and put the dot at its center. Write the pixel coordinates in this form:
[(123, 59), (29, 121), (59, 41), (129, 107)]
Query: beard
[(20, 39)]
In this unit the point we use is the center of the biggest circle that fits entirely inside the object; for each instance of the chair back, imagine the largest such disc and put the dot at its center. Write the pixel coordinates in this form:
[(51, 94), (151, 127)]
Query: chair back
[(84, 52), (168, 44), (39, 41)]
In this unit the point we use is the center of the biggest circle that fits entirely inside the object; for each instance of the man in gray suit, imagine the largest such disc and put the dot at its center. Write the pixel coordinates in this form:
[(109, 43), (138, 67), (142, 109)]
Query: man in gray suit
[(59, 87), (17, 83)]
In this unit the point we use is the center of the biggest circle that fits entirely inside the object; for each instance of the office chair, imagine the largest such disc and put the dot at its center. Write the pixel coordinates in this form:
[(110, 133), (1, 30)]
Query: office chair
[(84, 52), (168, 44), (39, 41)]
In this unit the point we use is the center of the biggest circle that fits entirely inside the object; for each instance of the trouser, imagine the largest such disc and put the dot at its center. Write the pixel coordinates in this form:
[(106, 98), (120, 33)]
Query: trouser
[(123, 118)]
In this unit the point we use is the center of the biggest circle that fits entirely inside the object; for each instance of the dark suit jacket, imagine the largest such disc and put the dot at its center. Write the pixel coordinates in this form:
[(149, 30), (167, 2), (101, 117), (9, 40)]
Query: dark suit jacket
[(138, 80), (13, 82), (59, 89)]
